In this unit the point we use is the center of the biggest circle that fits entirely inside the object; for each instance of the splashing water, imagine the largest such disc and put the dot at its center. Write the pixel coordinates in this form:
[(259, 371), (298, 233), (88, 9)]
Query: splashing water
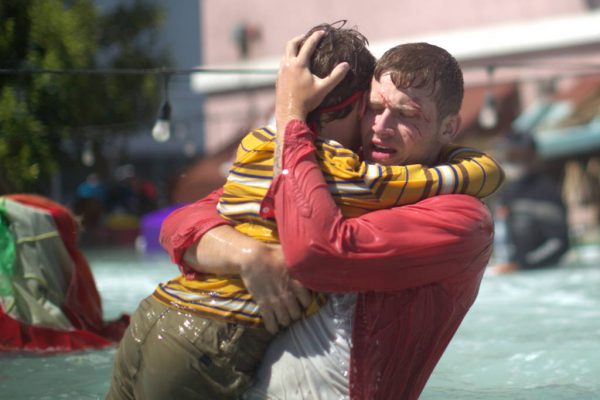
[(533, 335)]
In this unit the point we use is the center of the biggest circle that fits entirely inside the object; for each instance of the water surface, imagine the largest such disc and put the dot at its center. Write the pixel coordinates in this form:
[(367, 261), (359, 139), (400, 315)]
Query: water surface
[(532, 335)]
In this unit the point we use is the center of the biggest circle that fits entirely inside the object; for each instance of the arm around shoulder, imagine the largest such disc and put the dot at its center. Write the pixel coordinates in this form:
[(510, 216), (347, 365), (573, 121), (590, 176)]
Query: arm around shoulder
[(187, 225), (386, 250)]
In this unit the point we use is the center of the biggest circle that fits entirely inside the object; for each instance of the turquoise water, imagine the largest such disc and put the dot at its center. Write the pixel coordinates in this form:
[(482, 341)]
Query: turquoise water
[(531, 335)]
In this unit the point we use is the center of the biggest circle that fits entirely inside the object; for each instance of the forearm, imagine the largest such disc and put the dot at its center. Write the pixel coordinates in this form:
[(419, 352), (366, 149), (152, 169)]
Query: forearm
[(185, 227), (222, 251)]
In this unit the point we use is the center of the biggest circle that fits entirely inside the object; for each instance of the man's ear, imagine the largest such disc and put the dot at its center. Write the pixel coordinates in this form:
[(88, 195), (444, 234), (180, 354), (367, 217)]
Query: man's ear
[(449, 128)]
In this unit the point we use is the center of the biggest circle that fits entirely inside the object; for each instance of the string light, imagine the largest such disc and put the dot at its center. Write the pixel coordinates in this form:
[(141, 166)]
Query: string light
[(488, 116), (87, 155), (161, 132)]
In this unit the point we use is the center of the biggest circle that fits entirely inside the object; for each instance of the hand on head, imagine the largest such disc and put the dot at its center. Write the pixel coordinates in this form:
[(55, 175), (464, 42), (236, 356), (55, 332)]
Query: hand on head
[(298, 91)]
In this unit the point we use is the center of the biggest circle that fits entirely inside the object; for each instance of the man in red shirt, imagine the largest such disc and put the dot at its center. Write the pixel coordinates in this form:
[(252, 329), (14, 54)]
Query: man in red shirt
[(415, 269)]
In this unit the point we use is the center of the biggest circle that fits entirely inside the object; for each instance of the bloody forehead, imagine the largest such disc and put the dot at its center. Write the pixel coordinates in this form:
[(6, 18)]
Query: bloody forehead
[(381, 95)]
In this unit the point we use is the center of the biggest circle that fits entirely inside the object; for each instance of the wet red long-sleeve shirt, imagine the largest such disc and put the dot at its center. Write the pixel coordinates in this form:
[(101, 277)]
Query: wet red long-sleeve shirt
[(417, 268)]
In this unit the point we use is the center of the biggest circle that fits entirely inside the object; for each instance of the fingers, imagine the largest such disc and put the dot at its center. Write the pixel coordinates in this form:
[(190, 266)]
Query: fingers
[(269, 319), (293, 306), (282, 315), (279, 298), (336, 76), (302, 294), (309, 46), (286, 308), (291, 49), (286, 305)]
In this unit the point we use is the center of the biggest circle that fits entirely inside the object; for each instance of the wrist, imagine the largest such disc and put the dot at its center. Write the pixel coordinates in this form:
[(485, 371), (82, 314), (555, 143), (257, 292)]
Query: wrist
[(282, 121), (250, 255)]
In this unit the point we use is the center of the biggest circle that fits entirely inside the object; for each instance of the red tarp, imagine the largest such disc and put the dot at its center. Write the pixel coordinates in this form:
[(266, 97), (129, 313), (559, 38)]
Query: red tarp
[(82, 305)]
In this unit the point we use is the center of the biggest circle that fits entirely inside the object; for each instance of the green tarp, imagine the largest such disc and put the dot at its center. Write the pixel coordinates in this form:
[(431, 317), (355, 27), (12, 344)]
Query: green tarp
[(7, 253)]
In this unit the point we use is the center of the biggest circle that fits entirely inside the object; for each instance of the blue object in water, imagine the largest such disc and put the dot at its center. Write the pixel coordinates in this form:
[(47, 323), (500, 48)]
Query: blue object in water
[(150, 228)]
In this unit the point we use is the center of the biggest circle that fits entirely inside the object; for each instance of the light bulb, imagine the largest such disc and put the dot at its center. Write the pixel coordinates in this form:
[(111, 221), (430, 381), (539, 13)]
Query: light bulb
[(87, 155), (162, 130), (488, 115)]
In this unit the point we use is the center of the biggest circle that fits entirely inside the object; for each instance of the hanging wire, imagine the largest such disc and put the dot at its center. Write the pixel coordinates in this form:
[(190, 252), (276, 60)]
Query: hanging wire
[(560, 66), (137, 71)]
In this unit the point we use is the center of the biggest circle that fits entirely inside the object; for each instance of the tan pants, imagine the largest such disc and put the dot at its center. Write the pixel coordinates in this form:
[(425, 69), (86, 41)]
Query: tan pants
[(171, 354)]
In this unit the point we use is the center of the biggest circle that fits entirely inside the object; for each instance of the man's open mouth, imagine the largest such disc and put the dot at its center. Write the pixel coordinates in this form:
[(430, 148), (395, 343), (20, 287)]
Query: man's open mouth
[(381, 154), (382, 149)]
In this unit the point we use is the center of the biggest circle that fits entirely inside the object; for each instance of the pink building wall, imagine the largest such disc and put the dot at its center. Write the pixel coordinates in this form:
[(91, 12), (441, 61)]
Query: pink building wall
[(384, 19), (277, 21)]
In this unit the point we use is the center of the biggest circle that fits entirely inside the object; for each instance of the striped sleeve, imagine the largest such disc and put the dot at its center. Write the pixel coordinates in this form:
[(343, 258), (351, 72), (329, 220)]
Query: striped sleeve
[(480, 174), (247, 183), (462, 171), (372, 186)]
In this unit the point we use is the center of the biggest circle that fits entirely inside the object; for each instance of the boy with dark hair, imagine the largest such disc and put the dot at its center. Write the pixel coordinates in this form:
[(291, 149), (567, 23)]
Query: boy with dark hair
[(201, 336)]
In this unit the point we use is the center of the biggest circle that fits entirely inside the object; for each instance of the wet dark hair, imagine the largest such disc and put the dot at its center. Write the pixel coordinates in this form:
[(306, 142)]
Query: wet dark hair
[(340, 44), (423, 65)]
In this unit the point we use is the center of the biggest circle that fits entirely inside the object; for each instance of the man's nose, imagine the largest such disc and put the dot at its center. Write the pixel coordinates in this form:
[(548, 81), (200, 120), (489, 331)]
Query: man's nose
[(382, 125)]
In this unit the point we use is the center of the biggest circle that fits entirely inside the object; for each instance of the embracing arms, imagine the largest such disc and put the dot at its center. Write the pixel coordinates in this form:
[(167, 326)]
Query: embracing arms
[(198, 240)]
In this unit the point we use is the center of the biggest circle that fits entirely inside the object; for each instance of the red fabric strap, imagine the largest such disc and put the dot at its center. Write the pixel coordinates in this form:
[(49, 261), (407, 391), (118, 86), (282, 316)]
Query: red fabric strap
[(344, 103)]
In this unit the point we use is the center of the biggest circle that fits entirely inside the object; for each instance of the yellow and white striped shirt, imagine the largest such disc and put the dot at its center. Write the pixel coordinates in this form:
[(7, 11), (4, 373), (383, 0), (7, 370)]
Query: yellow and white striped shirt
[(357, 187)]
